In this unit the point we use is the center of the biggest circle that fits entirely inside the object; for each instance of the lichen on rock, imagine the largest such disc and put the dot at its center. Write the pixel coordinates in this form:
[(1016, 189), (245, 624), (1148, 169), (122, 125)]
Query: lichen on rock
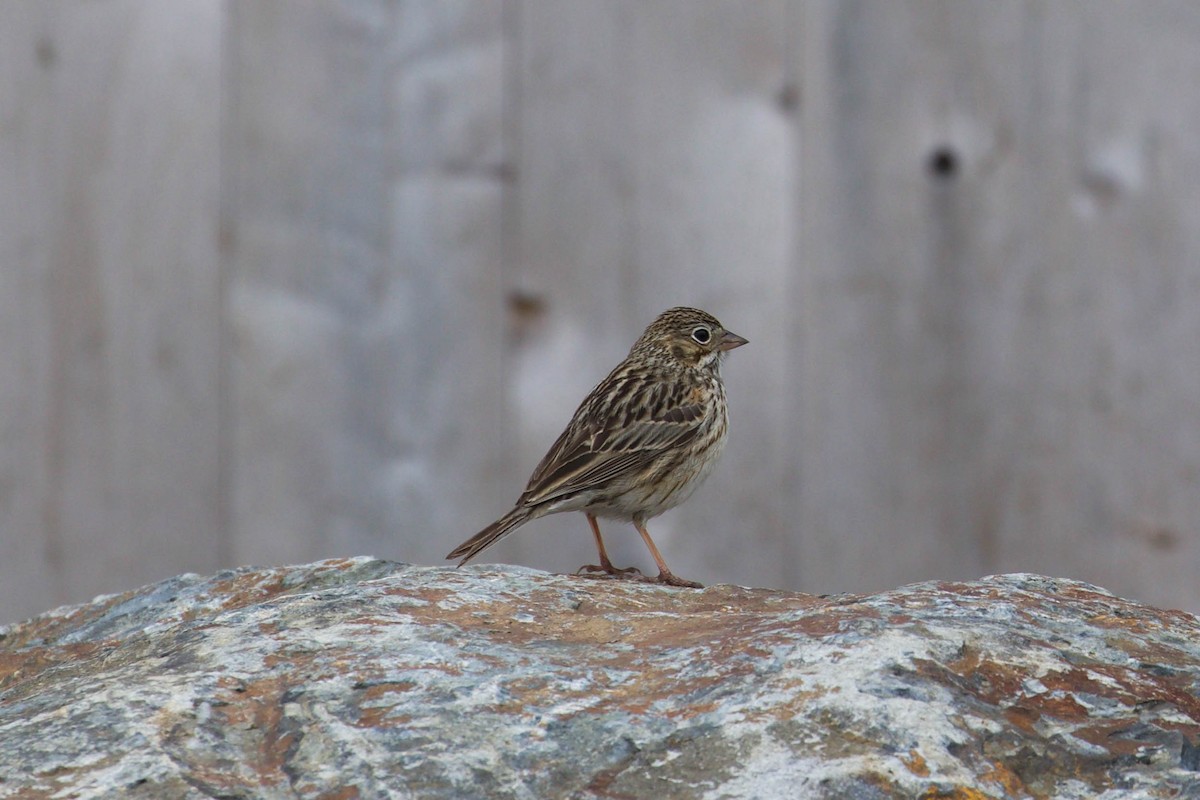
[(364, 678)]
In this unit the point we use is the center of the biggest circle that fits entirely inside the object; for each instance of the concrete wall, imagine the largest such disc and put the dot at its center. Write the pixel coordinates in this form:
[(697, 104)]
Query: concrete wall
[(286, 280)]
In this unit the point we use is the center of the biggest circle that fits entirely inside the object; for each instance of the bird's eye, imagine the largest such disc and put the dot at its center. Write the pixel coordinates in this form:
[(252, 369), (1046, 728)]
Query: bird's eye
[(702, 335)]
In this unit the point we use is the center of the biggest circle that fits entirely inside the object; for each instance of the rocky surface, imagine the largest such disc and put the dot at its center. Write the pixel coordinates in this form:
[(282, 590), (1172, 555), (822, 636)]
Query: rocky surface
[(363, 678)]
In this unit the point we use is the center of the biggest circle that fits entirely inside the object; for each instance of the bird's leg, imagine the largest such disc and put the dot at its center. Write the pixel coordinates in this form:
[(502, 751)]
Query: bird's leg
[(664, 573), (605, 564)]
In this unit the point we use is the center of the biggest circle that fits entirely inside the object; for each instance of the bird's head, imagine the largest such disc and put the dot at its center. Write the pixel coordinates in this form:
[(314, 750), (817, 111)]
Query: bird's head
[(690, 336)]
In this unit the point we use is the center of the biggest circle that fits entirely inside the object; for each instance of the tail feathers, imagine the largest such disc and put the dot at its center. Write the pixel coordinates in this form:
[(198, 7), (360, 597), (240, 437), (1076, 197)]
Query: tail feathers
[(491, 534)]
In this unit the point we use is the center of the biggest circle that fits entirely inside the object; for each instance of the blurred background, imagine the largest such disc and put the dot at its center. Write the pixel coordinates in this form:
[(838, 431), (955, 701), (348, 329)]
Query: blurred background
[(283, 280)]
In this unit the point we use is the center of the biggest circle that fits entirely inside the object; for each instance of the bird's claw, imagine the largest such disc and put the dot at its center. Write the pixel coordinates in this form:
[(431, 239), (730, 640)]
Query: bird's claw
[(609, 569), (671, 579)]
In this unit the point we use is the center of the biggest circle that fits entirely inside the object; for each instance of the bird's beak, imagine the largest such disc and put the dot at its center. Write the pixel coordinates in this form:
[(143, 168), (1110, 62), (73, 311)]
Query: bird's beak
[(730, 340)]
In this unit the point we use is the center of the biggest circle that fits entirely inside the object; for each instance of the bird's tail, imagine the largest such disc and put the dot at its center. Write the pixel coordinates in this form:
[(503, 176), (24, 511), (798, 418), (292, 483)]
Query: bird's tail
[(492, 534)]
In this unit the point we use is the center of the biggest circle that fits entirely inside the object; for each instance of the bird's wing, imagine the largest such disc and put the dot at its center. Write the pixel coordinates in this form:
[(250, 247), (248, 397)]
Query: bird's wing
[(622, 427)]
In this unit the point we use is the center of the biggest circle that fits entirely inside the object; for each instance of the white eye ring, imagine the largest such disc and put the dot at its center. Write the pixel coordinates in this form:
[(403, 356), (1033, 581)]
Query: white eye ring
[(702, 335)]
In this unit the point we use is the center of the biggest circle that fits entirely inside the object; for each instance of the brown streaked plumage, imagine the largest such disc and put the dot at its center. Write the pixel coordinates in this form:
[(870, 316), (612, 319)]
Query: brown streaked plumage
[(641, 441)]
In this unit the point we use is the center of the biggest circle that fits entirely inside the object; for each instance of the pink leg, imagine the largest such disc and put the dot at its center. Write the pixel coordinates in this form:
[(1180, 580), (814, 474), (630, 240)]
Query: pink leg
[(605, 564), (664, 573)]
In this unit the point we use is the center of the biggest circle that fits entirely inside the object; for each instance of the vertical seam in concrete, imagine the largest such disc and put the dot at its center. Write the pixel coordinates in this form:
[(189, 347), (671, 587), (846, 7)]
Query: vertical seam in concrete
[(226, 245), (510, 207)]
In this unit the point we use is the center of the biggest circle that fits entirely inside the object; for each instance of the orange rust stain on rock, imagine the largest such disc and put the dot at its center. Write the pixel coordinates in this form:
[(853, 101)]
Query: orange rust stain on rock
[(601, 783), (375, 705), (614, 612), (250, 703), (296, 660), (1134, 687), (239, 591), (1023, 718), (954, 793), (997, 683), (47, 629), (529, 694), (1064, 707), (24, 666), (275, 659), (992, 682), (1008, 780), (371, 621), (654, 682), (15, 667), (969, 591), (916, 763), (1073, 680), (381, 717), (269, 627), (228, 683), (1118, 622), (1106, 734), (346, 793), (967, 662), (429, 594), (693, 710), (834, 620), (256, 708), (377, 690), (1150, 652), (1085, 595)]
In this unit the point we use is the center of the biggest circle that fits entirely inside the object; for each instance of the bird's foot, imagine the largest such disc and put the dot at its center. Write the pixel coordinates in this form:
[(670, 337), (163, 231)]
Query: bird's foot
[(671, 579), (608, 570)]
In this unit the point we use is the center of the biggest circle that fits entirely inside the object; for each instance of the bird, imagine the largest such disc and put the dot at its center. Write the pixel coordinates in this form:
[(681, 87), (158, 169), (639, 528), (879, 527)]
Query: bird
[(639, 444)]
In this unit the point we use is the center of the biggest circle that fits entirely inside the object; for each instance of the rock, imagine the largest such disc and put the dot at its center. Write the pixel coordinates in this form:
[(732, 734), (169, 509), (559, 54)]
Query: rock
[(363, 678)]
